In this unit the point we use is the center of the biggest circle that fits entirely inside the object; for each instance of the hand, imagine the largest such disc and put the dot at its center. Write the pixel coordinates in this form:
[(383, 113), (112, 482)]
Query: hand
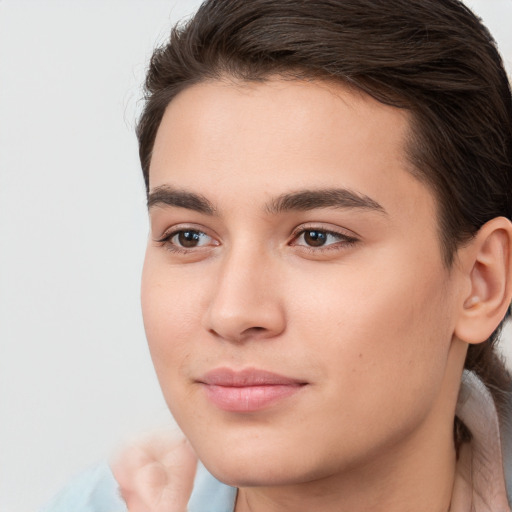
[(156, 474)]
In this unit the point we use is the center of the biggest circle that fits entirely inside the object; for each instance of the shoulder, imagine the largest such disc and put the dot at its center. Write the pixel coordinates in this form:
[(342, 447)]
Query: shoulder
[(95, 490)]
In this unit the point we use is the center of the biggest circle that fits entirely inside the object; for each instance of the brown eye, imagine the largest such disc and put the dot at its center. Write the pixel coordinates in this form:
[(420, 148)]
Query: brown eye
[(315, 238), (189, 238), (322, 239)]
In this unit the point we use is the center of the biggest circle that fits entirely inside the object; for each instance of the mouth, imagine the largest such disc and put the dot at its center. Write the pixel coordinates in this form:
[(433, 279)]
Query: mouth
[(248, 390)]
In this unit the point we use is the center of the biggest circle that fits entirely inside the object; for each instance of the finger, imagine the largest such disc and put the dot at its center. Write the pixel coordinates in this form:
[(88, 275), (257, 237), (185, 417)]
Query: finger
[(180, 465), (156, 474)]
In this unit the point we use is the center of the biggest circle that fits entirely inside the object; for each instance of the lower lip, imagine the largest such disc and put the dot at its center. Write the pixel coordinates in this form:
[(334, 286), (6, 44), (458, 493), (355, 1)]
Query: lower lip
[(249, 398)]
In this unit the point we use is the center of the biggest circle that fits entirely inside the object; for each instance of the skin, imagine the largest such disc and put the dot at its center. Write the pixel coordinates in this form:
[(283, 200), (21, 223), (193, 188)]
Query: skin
[(156, 473), (367, 321)]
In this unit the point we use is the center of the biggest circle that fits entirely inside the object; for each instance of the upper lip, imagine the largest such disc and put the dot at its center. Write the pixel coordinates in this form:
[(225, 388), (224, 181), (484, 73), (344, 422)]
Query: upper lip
[(246, 378)]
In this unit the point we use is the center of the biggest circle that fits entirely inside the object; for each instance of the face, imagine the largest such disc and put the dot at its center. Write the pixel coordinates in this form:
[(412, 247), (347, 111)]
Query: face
[(295, 300)]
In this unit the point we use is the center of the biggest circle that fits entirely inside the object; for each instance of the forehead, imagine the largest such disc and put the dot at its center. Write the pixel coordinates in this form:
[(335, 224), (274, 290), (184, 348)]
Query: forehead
[(288, 108), (281, 134)]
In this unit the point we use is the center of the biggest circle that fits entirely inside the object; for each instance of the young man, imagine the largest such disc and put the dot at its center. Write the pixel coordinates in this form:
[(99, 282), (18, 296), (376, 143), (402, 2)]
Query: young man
[(330, 258)]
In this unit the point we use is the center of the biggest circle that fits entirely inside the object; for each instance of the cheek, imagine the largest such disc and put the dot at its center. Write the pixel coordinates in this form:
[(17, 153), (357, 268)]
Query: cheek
[(170, 312), (377, 329), (379, 345)]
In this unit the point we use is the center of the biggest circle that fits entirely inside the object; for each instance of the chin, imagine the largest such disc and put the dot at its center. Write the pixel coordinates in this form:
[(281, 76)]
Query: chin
[(255, 473), (239, 466), (260, 464)]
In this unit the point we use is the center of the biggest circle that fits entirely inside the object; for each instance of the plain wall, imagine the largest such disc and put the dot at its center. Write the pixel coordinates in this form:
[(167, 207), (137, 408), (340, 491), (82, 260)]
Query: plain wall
[(75, 374)]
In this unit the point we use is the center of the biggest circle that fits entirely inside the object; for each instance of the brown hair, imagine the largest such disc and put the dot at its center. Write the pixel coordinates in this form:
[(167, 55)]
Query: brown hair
[(432, 57)]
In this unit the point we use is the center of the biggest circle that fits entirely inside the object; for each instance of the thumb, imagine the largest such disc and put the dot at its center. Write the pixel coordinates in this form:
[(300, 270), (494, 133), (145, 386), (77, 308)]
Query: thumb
[(180, 465), (156, 474)]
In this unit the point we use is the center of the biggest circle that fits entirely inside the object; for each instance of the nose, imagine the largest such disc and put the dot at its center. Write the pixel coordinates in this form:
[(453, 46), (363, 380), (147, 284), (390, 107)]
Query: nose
[(246, 302)]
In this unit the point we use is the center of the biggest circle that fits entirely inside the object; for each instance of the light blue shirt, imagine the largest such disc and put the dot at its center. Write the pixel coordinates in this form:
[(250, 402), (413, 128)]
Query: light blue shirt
[(96, 490)]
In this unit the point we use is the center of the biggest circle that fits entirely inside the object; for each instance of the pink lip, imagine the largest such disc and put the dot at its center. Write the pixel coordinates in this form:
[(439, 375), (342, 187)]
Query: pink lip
[(248, 390)]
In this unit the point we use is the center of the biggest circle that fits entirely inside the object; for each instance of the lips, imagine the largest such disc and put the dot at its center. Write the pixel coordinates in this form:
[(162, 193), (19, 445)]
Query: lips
[(248, 390)]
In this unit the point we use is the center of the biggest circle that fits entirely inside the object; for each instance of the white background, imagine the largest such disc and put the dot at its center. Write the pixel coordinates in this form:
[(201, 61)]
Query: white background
[(75, 374)]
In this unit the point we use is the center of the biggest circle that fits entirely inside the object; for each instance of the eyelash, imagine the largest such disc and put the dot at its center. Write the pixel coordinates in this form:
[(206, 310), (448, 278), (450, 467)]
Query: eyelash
[(343, 240), (166, 240)]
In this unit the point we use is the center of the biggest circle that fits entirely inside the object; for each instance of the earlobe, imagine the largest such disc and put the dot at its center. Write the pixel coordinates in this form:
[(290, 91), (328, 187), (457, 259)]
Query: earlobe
[(488, 266)]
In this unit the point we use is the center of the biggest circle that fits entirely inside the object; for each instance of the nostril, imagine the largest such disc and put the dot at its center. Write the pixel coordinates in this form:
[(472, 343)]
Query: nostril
[(252, 333), (253, 330), (247, 334)]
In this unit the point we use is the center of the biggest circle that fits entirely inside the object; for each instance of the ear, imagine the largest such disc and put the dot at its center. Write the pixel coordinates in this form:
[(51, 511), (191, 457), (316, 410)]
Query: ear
[(487, 265)]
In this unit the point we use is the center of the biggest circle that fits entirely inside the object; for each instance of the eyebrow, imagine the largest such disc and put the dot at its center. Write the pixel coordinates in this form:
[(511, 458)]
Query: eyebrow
[(168, 196), (304, 200)]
